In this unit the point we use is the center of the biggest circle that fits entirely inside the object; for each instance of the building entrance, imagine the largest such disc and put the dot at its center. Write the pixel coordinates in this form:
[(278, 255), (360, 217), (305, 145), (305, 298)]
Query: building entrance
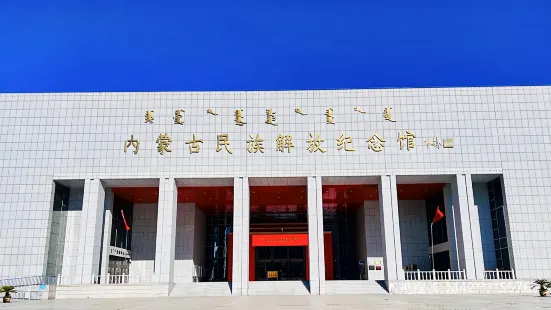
[(283, 263)]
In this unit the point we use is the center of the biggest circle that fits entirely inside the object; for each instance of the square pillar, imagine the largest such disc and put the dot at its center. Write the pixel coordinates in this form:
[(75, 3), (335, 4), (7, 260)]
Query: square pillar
[(467, 227), (91, 221), (316, 258), (106, 238), (451, 224), (241, 221), (474, 225), (390, 228), (166, 231)]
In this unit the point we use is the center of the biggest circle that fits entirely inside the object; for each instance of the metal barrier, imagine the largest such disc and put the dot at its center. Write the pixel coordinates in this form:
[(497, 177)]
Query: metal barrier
[(28, 295), (107, 279), (499, 275), (434, 275), (29, 281), (68, 280)]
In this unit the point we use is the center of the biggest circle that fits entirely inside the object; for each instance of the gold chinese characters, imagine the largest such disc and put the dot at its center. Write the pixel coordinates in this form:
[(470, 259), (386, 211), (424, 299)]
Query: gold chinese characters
[(314, 145), (284, 143), (343, 142), (223, 140), (132, 142), (434, 142), (409, 137), (255, 144), (163, 142), (375, 143), (193, 146)]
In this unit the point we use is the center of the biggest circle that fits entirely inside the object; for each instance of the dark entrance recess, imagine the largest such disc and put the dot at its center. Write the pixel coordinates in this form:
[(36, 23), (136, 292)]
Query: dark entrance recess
[(218, 228), (442, 261), (499, 226), (340, 209), (216, 202), (440, 228), (120, 237), (289, 262), (278, 213), (341, 222)]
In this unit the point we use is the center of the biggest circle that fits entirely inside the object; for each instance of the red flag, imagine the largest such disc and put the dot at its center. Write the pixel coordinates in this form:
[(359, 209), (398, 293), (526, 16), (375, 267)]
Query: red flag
[(438, 215), (124, 219)]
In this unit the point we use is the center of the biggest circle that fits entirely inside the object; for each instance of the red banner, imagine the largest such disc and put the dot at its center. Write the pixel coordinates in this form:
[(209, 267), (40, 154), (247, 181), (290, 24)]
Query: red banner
[(280, 240)]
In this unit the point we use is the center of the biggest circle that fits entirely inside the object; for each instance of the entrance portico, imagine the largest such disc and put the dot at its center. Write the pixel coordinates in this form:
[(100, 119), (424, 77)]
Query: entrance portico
[(311, 230)]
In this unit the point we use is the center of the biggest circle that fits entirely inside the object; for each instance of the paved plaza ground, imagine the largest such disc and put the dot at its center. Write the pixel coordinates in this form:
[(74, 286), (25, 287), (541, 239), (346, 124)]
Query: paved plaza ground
[(455, 302)]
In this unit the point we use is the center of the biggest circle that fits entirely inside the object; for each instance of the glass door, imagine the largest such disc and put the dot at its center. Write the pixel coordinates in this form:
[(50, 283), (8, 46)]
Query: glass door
[(288, 262)]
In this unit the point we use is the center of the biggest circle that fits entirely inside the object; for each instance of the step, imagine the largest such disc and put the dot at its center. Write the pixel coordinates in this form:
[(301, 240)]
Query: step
[(278, 288), (360, 287), (201, 289), (111, 291)]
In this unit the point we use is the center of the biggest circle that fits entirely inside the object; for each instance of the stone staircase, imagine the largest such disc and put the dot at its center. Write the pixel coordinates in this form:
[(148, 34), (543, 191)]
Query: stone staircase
[(201, 289), (358, 287), (111, 291), (278, 288)]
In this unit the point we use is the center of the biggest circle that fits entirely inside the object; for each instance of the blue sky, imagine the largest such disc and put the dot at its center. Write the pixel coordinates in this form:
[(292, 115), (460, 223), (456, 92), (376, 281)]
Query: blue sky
[(73, 46)]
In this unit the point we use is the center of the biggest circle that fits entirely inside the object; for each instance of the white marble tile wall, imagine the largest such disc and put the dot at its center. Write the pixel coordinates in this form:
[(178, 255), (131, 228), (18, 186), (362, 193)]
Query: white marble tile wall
[(185, 237), (199, 237), (414, 233), (70, 254), (373, 238), (144, 238), (496, 130), (373, 235)]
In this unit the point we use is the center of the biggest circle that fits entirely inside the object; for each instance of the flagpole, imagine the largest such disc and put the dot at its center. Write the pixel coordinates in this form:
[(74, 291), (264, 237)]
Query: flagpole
[(432, 244)]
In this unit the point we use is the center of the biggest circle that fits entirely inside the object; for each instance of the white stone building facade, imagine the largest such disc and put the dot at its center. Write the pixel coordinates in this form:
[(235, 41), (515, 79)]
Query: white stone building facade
[(462, 138)]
